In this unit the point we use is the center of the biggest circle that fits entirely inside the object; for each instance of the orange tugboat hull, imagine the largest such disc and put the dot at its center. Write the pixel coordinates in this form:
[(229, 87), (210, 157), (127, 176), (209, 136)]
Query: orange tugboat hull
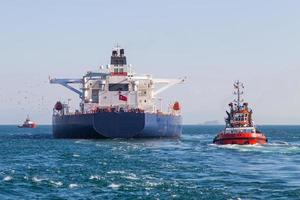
[(240, 138), (28, 126)]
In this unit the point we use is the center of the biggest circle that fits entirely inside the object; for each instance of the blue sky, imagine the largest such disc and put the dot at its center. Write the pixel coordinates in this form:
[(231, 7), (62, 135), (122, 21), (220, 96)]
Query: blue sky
[(213, 43)]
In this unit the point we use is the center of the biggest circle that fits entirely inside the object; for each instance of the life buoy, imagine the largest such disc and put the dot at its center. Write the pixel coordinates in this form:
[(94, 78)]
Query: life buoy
[(176, 106), (58, 106)]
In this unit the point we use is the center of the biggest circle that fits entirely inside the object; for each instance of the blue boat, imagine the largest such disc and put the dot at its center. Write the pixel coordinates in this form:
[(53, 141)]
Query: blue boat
[(117, 103)]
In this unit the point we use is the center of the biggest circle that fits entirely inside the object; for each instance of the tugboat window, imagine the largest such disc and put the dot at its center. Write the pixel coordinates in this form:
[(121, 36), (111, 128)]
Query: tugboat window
[(118, 87)]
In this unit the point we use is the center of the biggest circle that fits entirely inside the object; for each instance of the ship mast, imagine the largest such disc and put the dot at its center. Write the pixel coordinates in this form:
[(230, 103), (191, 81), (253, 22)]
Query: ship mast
[(238, 86)]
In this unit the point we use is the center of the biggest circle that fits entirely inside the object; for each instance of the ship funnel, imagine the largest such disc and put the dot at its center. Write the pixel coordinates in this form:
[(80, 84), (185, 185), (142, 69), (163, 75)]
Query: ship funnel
[(114, 53), (118, 57), (122, 52)]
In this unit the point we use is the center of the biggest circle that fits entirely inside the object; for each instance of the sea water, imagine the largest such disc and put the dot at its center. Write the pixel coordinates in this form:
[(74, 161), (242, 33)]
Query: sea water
[(33, 165)]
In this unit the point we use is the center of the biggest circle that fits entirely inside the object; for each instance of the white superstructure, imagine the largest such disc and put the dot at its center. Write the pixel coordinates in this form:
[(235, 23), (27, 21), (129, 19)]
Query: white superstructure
[(118, 87)]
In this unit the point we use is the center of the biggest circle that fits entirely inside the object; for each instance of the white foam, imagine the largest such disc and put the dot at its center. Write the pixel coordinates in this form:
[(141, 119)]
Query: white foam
[(95, 177), (274, 147), (56, 183), (102, 163), (36, 179), (7, 178), (250, 147), (76, 155), (116, 172), (152, 184), (114, 186), (73, 185), (132, 176)]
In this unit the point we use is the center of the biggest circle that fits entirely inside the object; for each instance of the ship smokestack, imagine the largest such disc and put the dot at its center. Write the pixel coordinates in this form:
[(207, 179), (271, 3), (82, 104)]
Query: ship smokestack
[(118, 57), (122, 52)]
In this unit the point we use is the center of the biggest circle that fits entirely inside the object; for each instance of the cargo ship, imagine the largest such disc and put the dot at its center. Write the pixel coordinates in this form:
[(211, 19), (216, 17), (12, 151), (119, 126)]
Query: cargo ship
[(115, 102), (240, 127), (28, 124)]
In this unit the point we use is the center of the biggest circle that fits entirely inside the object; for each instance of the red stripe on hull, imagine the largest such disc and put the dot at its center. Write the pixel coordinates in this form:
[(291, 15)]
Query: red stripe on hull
[(28, 126), (119, 73), (241, 138)]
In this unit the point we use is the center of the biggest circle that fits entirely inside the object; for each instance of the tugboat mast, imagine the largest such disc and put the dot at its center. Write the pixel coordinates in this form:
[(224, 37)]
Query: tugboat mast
[(238, 91)]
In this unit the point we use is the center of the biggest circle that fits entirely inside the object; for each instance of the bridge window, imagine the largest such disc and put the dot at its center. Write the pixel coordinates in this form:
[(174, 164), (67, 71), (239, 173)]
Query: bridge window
[(95, 96), (118, 87)]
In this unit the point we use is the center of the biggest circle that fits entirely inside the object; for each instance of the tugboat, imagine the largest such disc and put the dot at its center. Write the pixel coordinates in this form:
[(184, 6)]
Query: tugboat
[(240, 128), (28, 124), (115, 102)]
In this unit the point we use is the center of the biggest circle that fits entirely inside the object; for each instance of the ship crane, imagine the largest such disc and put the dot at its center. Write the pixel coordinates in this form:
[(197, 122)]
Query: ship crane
[(166, 82), (66, 82)]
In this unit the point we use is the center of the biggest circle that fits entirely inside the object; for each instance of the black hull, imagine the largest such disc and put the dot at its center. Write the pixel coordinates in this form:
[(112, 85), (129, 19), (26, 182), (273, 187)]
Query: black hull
[(116, 125)]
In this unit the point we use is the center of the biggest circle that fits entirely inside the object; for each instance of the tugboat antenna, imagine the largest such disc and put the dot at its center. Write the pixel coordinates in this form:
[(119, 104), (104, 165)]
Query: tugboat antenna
[(238, 86)]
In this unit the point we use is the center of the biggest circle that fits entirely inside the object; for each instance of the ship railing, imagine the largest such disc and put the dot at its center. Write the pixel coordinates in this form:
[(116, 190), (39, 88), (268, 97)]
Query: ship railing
[(128, 110), (112, 109), (243, 130)]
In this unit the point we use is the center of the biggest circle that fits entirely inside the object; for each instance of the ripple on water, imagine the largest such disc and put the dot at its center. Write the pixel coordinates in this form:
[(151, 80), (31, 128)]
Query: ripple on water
[(131, 176), (188, 168), (73, 185), (280, 147), (37, 179), (95, 177), (152, 184), (114, 186), (56, 183), (116, 172), (7, 178)]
